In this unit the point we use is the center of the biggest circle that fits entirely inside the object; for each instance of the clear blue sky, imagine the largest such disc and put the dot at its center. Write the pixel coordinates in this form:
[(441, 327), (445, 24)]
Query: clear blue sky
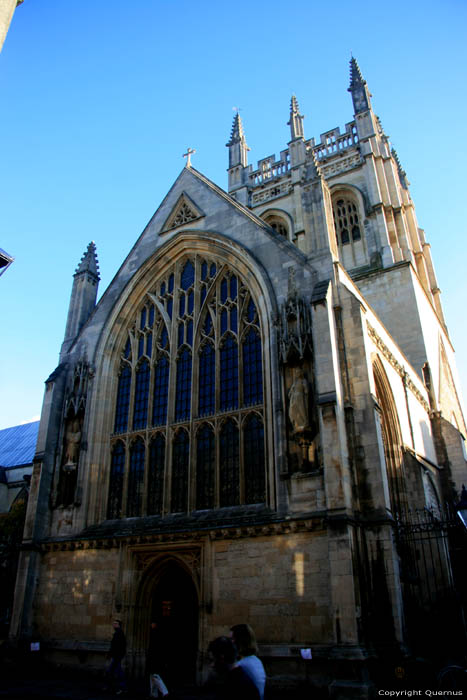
[(101, 99)]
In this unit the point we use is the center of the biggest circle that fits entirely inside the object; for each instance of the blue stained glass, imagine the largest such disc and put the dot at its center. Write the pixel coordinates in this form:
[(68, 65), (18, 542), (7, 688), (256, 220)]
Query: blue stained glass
[(229, 465), (180, 456), (123, 400), (188, 276), (171, 283), (189, 333), (182, 305), (253, 446), (183, 394), (224, 291), (224, 321), (169, 307), (135, 479), (252, 369), (117, 470), (207, 381), (143, 318), (212, 270), (149, 344), (233, 288), (229, 375), (191, 302), (205, 468), (208, 324), (140, 414), (181, 333), (161, 387), (164, 338), (140, 346), (204, 270), (156, 475), (203, 294), (162, 289), (127, 351), (151, 316), (251, 314), (233, 319)]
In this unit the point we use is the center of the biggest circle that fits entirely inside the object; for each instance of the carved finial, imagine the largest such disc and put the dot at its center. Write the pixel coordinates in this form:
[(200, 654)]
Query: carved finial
[(296, 120), (88, 262), (237, 135), (187, 155)]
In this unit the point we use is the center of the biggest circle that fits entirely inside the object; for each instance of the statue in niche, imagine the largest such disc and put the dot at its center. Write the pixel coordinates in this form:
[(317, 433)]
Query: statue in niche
[(301, 421), (299, 402), (69, 470)]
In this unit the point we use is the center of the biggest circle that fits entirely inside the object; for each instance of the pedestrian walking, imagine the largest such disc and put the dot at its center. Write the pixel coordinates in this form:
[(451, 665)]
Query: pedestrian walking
[(117, 651)]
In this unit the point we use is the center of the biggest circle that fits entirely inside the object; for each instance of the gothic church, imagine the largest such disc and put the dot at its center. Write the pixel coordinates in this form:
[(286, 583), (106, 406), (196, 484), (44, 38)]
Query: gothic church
[(246, 424)]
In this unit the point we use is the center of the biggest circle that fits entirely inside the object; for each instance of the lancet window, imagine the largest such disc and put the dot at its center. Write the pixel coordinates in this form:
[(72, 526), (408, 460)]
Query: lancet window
[(188, 430), (346, 220)]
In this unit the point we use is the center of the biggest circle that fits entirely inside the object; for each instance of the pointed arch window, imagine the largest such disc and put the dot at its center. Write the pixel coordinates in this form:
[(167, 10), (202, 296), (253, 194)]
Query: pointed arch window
[(180, 455), (117, 470), (346, 220), (156, 475), (205, 468), (135, 479), (195, 341), (140, 413), (123, 400)]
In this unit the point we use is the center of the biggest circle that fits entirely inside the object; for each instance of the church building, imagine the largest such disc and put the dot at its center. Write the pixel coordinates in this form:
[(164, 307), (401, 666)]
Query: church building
[(259, 421)]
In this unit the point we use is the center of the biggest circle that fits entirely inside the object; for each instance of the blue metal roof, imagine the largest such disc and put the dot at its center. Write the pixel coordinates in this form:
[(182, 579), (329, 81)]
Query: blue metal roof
[(18, 444)]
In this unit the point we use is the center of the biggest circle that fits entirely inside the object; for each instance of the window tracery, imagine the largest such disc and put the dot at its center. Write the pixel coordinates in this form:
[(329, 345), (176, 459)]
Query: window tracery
[(193, 351)]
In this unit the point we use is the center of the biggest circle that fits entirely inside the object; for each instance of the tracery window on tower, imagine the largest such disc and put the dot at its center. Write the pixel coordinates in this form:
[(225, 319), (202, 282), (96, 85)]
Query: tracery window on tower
[(348, 223), (189, 408), (278, 223)]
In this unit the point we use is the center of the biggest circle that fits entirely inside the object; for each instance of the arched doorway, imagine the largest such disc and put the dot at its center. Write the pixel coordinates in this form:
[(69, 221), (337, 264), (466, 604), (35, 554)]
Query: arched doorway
[(174, 607)]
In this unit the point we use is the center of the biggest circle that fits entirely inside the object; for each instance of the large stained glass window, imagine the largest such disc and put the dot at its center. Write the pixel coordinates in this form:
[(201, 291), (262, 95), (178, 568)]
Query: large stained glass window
[(190, 370)]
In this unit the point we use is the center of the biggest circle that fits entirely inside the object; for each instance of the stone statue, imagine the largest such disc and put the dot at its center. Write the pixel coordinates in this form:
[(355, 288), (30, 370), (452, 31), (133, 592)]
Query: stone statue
[(72, 443), (298, 402)]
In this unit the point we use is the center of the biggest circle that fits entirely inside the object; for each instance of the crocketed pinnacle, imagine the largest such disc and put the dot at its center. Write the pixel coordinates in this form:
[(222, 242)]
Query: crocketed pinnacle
[(356, 77), (296, 120), (237, 135), (88, 262)]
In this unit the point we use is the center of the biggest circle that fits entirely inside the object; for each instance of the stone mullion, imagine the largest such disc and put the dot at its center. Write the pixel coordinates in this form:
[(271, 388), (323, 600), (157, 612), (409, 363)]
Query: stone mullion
[(126, 476), (144, 502), (241, 464)]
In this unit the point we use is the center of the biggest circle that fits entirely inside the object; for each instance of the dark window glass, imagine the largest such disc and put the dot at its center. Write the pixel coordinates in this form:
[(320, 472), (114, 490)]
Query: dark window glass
[(253, 445), (151, 316), (229, 375), (251, 311), (171, 283), (135, 479), (140, 346), (212, 270), (208, 324), (182, 305), (224, 293), (188, 276), (163, 289), (183, 394), (181, 333), (203, 294), (233, 288), (252, 369), (207, 381), (180, 455), (161, 387), (123, 400), (229, 467), (204, 270), (117, 469), (205, 468), (170, 307), (191, 302), (156, 475), (143, 318), (140, 414), (224, 319), (189, 332), (127, 351), (233, 319), (164, 338), (149, 344)]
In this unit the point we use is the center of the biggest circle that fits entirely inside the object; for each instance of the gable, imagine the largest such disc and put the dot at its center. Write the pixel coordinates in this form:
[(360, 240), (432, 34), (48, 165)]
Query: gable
[(185, 211)]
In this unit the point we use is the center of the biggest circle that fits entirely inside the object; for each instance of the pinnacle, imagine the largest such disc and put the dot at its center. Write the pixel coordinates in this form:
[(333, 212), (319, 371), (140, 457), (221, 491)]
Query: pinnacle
[(237, 130), (88, 262), (294, 104), (356, 77)]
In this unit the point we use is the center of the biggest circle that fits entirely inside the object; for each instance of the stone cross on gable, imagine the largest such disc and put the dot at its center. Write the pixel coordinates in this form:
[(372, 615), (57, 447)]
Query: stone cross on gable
[(187, 155)]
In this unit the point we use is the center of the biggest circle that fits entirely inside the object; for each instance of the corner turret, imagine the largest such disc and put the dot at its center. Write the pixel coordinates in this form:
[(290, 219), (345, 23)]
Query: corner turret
[(83, 295)]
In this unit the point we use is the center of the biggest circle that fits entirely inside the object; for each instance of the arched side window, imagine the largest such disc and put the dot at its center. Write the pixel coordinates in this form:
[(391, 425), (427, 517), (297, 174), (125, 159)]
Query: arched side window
[(392, 441), (278, 223), (193, 349)]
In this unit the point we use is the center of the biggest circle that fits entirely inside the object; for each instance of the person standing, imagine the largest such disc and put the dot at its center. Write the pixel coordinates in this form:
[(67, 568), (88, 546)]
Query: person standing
[(247, 648), (117, 651), (233, 683)]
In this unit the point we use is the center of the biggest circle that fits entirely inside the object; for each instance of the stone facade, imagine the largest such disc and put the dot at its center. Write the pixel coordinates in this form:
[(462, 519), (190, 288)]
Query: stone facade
[(244, 424)]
